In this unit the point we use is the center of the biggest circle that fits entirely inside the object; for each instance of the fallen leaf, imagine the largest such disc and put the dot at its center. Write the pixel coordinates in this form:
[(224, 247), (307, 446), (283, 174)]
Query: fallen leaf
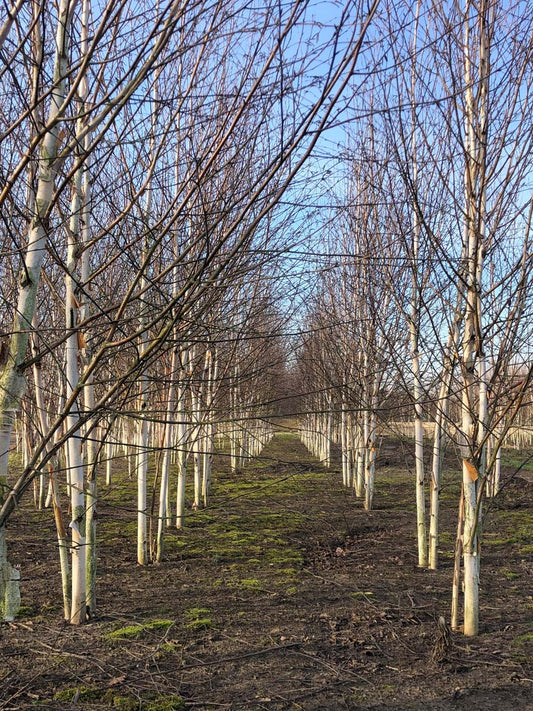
[(116, 680)]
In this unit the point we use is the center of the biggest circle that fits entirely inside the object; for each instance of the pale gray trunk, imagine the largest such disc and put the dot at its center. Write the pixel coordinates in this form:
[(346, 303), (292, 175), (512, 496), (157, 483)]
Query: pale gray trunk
[(12, 383), (360, 460), (370, 454), (75, 458), (475, 164), (167, 449), (63, 546), (441, 418), (327, 433), (456, 582), (182, 441), (414, 329), (196, 446), (182, 458), (142, 470), (9, 576)]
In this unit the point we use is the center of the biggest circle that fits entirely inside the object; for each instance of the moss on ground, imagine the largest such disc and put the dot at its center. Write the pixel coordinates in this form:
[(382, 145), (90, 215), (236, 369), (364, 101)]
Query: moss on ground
[(249, 584), (121, 703), (524, 640), (139, 630), (78, 693), (198, 618), (259, 568), (89, 696)]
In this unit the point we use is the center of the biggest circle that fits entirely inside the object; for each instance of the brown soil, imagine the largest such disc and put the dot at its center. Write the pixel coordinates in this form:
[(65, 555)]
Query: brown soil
[(284, 594)]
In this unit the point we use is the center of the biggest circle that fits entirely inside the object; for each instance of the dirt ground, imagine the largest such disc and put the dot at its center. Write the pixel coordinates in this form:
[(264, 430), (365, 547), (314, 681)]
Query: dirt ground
[(283, 594)]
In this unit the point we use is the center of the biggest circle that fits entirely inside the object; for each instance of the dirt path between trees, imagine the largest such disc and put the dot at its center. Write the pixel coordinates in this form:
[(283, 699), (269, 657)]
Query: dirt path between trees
[(283, 594)]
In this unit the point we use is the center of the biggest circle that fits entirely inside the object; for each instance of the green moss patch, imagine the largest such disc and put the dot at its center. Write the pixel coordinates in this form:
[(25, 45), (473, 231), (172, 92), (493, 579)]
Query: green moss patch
[(78, 693), (199, 618), (122, 703), (140, 630), (523, 640)]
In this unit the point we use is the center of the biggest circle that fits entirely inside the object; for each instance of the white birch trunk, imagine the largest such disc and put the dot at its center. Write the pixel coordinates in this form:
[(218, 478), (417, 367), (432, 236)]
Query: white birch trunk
[(436, 466), (42, 414), (209, 429), (327, 434), (182, 445), (360, 462), (63, 546), (142, 471), (475, 162), (370, 454), (414, 328), (234, 404), (108, 459), (53, 497), (9, 576), (205, 463), (12, 383), (165, 465), (457, 565), (452, 348), (196, 447), (75, 457), (494, 478)]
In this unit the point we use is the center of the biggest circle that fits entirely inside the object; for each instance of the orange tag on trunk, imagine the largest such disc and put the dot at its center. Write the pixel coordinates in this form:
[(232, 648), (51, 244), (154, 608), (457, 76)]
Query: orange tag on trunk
[(472, 471), (82, 343)]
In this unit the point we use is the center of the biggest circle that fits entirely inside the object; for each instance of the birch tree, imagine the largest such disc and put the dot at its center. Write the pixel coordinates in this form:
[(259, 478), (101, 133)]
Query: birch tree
[(471, 128), (11, 382), (108, 73)]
